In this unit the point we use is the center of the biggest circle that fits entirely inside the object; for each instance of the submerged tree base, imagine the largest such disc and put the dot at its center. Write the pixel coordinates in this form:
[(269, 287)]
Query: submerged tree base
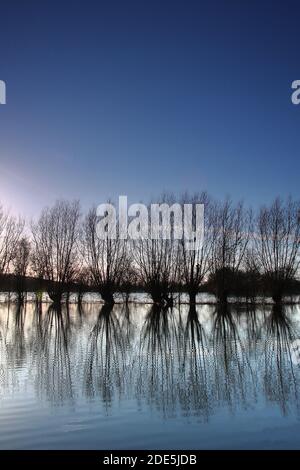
[(108, 298), (56, 297)]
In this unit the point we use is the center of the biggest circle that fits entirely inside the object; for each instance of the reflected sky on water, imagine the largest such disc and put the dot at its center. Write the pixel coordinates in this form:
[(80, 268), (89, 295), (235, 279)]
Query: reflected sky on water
[(138, 376)]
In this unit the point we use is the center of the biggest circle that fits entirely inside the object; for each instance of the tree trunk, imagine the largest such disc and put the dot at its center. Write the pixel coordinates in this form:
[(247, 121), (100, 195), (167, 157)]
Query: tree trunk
[(277, 297), (55, 296), (192, 297), (222, 297), (107, 296)]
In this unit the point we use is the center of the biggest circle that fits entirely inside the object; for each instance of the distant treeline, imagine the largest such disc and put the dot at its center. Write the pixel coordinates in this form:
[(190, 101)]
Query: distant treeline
[(241, 286), (244, 253)]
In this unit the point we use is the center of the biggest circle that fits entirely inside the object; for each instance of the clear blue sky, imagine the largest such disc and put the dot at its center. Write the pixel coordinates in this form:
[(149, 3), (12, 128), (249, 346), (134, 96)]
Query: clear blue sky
[(109, 98)]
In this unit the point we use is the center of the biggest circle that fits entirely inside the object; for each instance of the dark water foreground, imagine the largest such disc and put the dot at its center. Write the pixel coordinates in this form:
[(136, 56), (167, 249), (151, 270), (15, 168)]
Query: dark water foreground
[(96, 378)]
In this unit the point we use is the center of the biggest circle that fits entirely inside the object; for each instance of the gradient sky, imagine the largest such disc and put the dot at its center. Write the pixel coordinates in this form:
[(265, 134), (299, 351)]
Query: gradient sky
[(109, 98)]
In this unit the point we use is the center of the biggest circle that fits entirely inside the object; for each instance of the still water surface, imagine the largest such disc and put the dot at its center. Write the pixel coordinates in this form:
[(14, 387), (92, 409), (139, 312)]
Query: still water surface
[(139, 377)]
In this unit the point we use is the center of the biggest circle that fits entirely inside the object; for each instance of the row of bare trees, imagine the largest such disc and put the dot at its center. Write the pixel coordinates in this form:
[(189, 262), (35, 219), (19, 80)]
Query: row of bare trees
[(242, 254)]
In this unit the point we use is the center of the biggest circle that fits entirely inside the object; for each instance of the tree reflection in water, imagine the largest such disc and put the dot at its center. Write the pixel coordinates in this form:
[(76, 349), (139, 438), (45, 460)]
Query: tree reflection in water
[(105, 370), (280, 375), (196, 396), (233, 378), (54, 376), (188, 361), (12, 345), (160, 346)]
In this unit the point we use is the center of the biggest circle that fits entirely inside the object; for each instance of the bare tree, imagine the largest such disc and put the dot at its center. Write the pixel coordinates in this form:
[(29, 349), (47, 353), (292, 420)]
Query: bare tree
[(156, 258), (20, 265), (232, 230), (107, 258), (129, 281), (277, 243), (55, 237), (83, 281), (156, 267), (11, 229), (195, 264)]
